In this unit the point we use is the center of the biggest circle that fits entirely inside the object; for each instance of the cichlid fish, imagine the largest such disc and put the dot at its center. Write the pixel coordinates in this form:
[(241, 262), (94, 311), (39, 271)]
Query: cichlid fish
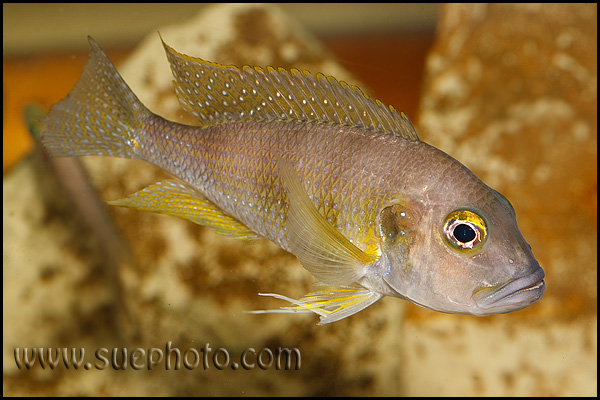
[(334, 177)]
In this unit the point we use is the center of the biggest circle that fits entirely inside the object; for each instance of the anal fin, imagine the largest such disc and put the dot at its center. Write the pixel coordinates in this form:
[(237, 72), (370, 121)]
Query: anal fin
[(182, 201)]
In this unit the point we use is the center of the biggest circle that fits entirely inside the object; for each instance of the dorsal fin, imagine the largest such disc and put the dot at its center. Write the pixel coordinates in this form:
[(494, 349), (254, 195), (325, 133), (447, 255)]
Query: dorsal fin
[(216, 93)]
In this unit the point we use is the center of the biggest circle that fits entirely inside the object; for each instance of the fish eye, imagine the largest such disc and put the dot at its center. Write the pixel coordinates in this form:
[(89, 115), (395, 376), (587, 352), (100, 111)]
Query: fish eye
[(464, 230)]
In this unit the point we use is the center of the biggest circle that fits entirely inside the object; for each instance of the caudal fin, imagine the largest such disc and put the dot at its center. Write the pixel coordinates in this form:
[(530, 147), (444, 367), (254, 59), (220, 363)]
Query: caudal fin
[(98, 116)]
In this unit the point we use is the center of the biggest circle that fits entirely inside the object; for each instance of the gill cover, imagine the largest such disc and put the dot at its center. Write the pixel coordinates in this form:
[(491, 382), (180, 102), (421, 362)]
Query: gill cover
[(398, 235)]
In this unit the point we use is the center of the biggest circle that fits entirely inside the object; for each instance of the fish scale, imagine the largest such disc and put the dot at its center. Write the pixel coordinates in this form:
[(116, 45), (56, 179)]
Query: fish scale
[(338, 179), (256, 176), (315, 154)]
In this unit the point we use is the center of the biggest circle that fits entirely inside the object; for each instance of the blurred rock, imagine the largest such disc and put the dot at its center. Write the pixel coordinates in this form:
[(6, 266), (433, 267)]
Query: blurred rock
[(181, 283), (511, 92)]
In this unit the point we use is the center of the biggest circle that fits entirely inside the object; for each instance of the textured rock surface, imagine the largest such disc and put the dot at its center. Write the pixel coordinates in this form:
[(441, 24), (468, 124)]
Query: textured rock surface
[(511, 92), (180, 282)]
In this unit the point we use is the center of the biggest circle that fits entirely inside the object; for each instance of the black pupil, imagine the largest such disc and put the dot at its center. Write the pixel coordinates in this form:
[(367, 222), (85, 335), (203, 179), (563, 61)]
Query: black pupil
[(464, 233)]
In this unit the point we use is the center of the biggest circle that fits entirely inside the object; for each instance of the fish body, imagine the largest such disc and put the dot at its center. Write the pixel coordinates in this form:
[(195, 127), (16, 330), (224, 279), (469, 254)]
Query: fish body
[(330, 175)]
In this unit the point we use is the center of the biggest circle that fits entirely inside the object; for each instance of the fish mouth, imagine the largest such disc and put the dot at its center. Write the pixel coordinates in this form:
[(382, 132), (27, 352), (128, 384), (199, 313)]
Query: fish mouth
[(513, 295)]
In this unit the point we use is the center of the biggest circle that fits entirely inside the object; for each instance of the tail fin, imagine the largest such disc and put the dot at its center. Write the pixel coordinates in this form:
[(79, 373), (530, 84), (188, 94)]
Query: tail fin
[(98, 116)]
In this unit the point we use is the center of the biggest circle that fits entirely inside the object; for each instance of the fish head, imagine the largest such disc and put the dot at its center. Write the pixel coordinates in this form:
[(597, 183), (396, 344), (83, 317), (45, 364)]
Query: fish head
[(462, 256)]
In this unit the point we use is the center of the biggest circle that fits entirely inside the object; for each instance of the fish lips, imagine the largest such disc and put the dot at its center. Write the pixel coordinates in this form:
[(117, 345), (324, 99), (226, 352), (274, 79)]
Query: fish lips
[(513, 295)]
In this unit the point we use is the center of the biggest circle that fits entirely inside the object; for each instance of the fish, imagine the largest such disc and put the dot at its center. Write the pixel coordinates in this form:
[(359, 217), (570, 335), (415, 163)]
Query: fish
[(331, 175)]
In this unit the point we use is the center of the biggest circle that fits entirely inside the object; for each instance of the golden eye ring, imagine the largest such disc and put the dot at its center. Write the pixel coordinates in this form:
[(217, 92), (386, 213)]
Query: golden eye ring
[(465, 230)]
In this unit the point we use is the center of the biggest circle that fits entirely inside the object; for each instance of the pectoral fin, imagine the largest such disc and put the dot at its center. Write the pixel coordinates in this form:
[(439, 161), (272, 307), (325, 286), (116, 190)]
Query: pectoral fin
[(331, 305), (320, 247), (182, 201)]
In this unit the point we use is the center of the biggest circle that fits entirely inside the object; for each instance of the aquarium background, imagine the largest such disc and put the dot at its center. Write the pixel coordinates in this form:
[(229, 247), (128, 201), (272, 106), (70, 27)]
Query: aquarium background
[(509, 90)]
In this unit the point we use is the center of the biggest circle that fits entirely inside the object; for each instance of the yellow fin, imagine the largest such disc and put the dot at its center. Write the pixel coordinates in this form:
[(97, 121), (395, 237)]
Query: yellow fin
[(216, 93), (331, 305), (322, 249), (179, 200)]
